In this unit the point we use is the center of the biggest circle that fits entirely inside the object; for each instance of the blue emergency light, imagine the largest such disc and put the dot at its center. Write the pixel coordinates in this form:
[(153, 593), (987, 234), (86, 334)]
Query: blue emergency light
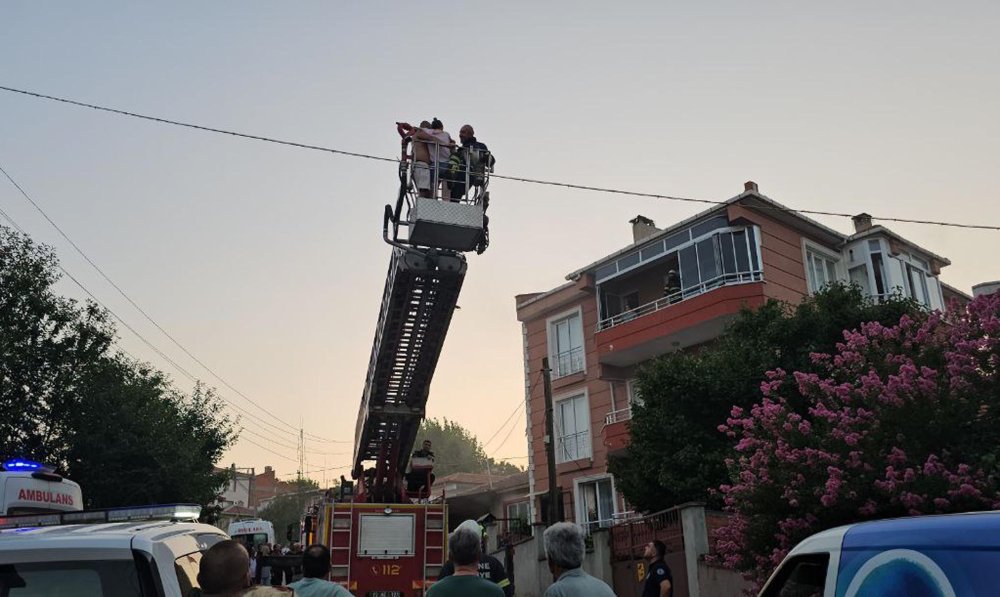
[(20, 465)]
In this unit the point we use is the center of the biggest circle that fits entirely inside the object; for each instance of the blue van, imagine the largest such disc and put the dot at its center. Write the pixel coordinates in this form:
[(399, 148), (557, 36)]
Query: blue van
[(954, 555)]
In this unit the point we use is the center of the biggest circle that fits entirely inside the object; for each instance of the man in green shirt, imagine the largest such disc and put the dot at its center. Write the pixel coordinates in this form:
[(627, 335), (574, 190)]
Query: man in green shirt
[(464, 550)]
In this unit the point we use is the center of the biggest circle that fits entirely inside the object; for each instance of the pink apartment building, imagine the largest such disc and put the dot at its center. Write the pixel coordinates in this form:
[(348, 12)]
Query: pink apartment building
[(672, 289)]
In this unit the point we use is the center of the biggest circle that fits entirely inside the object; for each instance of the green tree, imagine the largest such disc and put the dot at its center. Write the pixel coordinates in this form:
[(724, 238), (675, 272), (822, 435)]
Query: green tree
[(677, 453), (114, 425), (457, 450), (288, 509), (901, 420)]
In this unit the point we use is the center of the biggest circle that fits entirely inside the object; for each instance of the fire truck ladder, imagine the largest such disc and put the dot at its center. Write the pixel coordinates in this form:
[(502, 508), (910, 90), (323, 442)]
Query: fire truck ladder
[(437, 529), (429, 234), (420, 296)]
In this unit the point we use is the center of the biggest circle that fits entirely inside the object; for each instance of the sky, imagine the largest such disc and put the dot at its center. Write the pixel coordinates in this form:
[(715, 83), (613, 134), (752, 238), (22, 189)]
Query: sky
[(267, 263)]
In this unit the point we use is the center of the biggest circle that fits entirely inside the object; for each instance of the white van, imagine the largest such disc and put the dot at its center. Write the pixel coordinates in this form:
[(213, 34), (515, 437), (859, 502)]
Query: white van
[(28, 487), (953, 555), (142, 551), (252, 533)]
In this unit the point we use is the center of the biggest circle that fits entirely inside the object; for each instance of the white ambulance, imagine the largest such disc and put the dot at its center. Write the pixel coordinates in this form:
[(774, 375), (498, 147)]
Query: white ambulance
[(49, 545), (28, 487), (252, 533)]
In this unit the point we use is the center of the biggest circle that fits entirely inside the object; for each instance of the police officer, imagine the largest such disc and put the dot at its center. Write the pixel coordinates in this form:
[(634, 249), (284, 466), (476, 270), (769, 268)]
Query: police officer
[(490, 568), (659, 581)]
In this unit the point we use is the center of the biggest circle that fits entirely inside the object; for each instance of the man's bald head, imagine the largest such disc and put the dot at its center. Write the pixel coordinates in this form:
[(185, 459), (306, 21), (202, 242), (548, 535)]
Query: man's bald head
[(466, 132), (224, 568)]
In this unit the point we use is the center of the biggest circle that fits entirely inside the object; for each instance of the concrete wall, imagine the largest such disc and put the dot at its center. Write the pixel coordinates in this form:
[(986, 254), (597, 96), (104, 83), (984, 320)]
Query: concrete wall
[(720, 582), (531, 571)]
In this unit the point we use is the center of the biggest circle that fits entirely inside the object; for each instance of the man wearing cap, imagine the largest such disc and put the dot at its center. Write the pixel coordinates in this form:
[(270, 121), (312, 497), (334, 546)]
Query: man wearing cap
[(490, 568), (473, 155)]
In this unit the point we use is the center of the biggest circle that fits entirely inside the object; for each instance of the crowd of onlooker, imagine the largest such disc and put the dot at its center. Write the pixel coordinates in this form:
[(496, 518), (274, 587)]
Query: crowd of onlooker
[(274, 575), (227, 569)]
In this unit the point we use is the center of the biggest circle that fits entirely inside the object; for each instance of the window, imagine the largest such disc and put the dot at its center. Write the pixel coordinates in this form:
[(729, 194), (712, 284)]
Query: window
[(596, 503), (802, 576), (689, 268), (518, 519), (83, 578), (186, 568), (915, 280), (859, 275), (878, 271), (821, 269), (708, 261), (572, 428), (690, 276), (566, 345)]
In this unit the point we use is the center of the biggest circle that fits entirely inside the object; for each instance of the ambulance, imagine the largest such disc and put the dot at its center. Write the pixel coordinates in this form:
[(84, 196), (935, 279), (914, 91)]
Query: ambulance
[(28, 487), (252, 533), (50, 545)]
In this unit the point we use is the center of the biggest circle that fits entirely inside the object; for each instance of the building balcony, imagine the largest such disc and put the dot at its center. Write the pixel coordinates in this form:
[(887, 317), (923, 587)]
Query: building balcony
[(616, 435), (681, 319), (677, 291)]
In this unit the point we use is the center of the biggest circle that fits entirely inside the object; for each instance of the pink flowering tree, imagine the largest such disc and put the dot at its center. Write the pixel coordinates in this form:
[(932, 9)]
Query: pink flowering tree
[(898, 421)]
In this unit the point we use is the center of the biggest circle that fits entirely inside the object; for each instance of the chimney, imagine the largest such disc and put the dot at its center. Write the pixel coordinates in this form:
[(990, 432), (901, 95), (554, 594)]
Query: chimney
[(750, 187), (642, 228), (862, 222)]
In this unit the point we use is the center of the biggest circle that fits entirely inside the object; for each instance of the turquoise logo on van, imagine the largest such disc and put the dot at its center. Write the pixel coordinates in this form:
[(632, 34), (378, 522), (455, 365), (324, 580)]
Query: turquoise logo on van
[(900, 572)]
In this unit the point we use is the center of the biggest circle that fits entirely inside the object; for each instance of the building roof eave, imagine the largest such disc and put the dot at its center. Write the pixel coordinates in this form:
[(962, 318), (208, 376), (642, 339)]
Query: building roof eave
[(882, 230), (749, 199)]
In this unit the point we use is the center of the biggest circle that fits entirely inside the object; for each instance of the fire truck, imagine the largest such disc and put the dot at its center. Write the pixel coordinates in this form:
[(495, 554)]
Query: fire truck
[(385, 536)]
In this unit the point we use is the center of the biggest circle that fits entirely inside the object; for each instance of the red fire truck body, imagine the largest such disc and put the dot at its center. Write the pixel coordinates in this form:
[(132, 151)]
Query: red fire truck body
[(385, 550)]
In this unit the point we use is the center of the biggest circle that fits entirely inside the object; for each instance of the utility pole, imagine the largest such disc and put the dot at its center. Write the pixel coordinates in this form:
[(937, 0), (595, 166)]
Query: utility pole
[(302, 453), (555, 493)]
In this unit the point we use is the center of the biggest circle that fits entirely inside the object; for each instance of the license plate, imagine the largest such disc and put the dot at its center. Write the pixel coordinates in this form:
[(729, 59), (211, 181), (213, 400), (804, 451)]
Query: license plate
[(384, 594)]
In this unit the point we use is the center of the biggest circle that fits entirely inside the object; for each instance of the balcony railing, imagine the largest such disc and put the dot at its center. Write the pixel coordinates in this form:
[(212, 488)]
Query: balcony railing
[(568, 362), (680, 296), (573, 447), (618, 416)]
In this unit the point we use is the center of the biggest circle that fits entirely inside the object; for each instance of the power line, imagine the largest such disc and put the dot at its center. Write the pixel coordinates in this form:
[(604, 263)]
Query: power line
[(290, 447), (320, 470), (266, 449), (575, 186), (140, 309), (142, 338), (506, 437), (503, 425), (200, 127)]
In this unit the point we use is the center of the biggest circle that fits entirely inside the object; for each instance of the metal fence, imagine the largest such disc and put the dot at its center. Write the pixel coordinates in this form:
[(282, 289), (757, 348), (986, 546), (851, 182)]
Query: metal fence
[(629, 538)]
